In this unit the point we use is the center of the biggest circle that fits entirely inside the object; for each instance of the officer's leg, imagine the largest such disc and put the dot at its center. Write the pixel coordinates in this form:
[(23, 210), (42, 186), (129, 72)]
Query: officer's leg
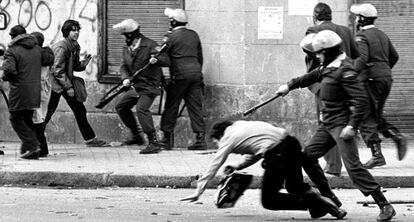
[(128, 100), (320, 144)]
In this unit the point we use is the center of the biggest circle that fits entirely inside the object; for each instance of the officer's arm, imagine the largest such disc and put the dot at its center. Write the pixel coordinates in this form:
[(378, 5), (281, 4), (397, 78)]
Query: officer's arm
[(306, 80), (393, 56), (357, 93), (363, 49)]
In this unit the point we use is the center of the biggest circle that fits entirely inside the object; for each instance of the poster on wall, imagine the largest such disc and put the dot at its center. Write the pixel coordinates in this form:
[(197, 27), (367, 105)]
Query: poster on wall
[(270, 21), (300, 7)]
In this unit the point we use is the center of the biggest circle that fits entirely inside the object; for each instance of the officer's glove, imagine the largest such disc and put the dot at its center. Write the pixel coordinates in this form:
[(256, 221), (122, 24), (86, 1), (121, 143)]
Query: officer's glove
[(283, 90), (153, 60), (126, 82), (348, 132)]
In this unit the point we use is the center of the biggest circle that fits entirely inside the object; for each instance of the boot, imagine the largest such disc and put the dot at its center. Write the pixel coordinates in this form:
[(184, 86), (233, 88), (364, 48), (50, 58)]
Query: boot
[(387, 212), (136, 138), (377, 158), (153, 145), (167, 142), (200, 143), (401, 142), (319, 205)]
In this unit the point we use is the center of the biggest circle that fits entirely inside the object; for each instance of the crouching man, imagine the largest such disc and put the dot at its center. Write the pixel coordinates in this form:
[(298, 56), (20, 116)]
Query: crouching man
[(282, 163)]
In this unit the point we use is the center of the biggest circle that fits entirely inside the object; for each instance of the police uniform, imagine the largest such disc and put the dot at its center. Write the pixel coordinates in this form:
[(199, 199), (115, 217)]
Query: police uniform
[(378, 56), (339, 85), (185, 52)]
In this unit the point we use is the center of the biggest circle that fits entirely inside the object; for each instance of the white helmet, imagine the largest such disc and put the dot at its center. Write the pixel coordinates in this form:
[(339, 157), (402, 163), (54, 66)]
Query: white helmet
[(325, 39), (126, 26), (366, 10), (178, 14), (306, 42)]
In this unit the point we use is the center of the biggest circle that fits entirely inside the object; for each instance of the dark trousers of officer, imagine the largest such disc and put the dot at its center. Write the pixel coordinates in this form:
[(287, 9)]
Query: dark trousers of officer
[(191, 90), (78, 109), (23, 125), (40, 134), (379, 89), (143, 104), (323, 140), (283, 165)]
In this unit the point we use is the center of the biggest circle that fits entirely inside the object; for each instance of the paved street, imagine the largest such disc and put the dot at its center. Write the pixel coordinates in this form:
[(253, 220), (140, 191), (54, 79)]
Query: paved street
[(145, 204)]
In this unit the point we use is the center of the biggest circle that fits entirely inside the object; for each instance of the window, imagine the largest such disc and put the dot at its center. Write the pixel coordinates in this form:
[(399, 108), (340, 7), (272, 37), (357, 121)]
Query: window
[(148, 13)]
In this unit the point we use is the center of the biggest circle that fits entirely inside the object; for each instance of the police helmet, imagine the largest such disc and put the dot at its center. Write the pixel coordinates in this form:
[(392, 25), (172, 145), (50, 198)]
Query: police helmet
[(325, 39), (366, 10), (126, 26), (178, 14)]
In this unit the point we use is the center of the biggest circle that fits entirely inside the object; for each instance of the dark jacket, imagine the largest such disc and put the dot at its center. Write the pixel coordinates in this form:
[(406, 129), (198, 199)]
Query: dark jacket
[(185, 52), (378, 55), (22, 64), (149, 80), (340, 89), (61, 69)]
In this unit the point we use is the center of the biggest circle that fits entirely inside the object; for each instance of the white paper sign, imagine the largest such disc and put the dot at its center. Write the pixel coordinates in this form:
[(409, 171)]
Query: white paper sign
[(301, 7), (270, 23)]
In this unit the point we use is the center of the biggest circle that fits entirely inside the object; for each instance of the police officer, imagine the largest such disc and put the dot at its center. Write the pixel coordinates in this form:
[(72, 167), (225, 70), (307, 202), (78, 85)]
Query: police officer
[(378, 56), (340, 89), (147, 85), (185, 52), (322, 18)]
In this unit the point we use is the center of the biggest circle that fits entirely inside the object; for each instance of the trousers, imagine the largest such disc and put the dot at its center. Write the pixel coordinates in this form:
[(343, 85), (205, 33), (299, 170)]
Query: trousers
[(23, 125), (283, 166), (321, 142)]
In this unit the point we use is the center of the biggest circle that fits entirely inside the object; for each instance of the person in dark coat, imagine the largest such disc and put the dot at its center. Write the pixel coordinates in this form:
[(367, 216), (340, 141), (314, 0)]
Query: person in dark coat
[(22, 64), (66, 62), (46, 86), (378, 57), (185, 52), (340, 90), (322, 18), (145, 88)]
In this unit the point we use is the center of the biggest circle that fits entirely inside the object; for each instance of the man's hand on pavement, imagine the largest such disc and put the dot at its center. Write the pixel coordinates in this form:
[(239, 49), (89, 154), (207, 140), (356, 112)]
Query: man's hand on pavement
[(193, 197)]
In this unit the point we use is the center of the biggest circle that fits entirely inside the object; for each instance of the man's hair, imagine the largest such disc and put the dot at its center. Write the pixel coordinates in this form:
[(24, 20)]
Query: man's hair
[(322, 12), (217, 131), (39, 37), (68, 26), (17, 30)]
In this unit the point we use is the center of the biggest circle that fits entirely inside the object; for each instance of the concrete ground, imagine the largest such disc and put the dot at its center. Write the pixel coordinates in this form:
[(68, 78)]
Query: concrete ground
[(76, 165)]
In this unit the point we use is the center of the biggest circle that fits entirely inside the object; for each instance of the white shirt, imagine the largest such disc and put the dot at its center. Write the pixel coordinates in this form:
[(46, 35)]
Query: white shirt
[(249, 138)]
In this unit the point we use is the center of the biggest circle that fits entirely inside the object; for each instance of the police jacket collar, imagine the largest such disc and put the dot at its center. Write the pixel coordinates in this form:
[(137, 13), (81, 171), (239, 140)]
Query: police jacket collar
[(178, 27), (337, 62), (367, 27)]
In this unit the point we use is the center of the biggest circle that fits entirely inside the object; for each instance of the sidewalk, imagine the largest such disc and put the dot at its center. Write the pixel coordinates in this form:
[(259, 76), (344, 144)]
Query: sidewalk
[(76, 165)]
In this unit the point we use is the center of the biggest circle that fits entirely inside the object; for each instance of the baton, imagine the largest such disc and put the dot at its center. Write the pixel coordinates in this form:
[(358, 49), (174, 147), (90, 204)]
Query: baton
[(254, 108), (5, 97)]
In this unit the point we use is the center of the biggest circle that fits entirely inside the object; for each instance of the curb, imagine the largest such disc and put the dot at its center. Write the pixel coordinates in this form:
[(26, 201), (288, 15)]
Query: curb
[(92, 180)]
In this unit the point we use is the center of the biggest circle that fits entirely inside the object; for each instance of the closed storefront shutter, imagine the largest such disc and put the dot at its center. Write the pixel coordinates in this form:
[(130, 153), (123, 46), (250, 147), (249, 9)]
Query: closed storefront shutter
[(148, 13), (396, 19)]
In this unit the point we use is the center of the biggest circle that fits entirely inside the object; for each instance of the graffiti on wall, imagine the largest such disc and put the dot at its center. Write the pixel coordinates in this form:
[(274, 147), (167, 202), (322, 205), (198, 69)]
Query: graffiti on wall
[(48, 16)]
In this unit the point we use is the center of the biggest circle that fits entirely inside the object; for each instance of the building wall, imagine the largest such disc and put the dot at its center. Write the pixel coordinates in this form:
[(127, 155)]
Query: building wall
[(240, 70)]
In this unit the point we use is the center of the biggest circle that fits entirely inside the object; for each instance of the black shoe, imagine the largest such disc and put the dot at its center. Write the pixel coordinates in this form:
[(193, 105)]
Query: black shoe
[(151, 148), (387, 212), (31, 154), (95, 142), (167, 142), (375, 161), (136, 139), (1, 152), (43, 155)]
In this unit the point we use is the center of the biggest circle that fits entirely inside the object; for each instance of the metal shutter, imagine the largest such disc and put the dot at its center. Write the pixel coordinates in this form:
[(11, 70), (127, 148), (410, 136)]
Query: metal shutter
[(396, 19), (149, 14)]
